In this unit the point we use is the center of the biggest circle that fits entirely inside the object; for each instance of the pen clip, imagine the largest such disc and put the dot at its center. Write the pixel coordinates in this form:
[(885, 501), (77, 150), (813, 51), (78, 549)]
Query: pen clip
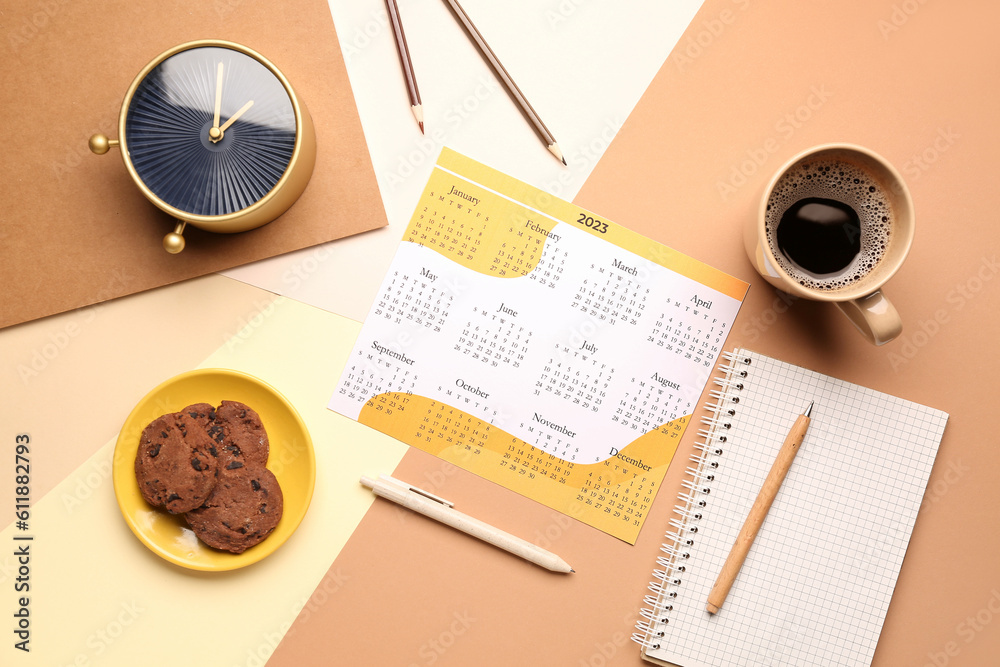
[(431, 496), (418, 491)]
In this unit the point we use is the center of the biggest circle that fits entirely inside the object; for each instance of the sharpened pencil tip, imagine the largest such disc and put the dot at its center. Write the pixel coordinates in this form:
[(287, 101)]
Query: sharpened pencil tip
[(555, 150), (418, 115), (809, 409)]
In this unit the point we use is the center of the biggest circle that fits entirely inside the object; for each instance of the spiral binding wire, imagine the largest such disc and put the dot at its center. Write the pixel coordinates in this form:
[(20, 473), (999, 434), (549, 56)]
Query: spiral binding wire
[(681, 538)]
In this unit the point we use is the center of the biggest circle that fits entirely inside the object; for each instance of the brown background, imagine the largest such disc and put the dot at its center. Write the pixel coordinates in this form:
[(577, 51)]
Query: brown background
[(749, 85), (74, 230)]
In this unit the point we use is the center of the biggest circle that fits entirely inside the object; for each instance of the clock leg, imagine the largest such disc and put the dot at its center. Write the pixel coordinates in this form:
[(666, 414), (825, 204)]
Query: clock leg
[(99, 144), (174, 241)]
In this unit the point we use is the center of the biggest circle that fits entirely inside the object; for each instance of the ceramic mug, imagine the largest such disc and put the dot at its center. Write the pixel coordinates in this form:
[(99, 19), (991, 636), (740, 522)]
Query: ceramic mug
[(834, 224)]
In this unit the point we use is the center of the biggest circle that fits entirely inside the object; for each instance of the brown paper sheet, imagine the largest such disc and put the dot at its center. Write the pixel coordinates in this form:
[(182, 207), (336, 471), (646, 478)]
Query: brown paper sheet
[(74, 229)]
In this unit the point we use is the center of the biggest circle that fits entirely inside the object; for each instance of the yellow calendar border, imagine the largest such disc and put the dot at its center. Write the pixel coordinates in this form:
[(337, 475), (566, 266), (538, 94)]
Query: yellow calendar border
[(495, 454), (559, 210), (503, 239)]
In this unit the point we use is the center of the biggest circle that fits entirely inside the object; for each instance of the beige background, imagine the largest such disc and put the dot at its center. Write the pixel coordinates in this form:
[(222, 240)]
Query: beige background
[(122, 349), (749, 83), (97, 595)]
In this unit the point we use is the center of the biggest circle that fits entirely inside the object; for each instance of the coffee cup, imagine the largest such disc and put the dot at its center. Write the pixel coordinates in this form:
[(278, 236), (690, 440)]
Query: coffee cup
[(834, 224)]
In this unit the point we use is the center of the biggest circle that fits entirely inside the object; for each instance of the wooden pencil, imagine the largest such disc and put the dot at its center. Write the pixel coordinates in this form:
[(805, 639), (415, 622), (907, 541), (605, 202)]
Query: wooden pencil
[(768, 490), (404, 60), (502, 74)]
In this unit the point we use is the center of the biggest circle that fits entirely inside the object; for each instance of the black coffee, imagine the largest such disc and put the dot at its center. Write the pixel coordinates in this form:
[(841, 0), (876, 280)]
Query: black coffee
[(822, 236), (828, 223)]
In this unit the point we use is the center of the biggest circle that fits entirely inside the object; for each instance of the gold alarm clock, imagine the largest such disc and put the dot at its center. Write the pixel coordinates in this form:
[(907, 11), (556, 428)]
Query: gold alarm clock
[(213, 134)]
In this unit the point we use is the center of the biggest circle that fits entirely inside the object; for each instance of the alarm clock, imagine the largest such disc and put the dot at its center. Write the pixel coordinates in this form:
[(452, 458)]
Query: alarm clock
[(212, 133)]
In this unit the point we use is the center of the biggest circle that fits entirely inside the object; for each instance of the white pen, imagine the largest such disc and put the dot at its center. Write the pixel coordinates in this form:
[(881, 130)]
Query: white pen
[(442, 510)]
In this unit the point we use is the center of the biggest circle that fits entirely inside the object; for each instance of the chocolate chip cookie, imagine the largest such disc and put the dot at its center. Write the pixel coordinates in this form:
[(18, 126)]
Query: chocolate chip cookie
[(204, 415), (173, 463), (242, 510), (240, 436)]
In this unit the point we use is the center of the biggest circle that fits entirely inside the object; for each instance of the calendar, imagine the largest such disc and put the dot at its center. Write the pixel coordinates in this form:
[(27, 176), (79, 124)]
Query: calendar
[(538, 345)]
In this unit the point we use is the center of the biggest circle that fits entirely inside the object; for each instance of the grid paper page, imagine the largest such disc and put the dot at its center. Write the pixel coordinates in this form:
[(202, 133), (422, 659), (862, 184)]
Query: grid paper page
[(816, 584)]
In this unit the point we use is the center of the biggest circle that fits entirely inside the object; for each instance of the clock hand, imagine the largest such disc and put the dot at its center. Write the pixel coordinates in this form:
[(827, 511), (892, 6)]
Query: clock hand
[(234, 117), (215, 133)]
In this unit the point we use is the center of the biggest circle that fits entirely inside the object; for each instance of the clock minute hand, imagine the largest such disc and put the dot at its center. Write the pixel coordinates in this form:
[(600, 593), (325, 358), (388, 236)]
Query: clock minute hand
[(234, 117), (215, 133)]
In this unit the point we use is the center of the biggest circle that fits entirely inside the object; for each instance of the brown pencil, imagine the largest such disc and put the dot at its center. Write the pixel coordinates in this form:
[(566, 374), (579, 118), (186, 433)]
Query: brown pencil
[(759, 510), (405, 62), (515, 92)]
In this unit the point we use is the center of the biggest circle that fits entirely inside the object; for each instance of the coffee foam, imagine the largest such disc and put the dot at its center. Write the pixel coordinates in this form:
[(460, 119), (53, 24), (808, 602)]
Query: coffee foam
[(841, 181)]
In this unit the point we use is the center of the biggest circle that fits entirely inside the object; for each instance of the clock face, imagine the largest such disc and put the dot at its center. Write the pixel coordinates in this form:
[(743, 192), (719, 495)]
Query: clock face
[(210, 131)]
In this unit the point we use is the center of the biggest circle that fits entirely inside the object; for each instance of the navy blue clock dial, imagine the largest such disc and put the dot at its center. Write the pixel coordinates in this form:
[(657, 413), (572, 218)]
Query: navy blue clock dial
[(210, 131)]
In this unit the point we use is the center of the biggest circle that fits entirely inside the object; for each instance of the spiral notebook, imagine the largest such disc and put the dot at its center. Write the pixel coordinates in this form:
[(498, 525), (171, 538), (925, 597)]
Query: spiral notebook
[(816, 584)]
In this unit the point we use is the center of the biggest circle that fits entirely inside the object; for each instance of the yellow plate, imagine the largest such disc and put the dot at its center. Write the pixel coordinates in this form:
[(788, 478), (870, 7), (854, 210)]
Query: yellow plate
[(292, 461)]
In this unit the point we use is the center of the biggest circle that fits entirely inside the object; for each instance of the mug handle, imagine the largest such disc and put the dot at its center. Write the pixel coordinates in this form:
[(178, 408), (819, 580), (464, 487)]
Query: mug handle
[(874, 316)]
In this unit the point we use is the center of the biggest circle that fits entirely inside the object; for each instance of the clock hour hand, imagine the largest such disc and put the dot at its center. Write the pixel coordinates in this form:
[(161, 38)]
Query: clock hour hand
[(215, 133), (234, 118)]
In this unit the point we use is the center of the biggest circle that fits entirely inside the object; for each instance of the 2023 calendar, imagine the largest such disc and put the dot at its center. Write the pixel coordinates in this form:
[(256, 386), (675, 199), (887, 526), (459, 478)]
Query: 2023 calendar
[(538, 345)]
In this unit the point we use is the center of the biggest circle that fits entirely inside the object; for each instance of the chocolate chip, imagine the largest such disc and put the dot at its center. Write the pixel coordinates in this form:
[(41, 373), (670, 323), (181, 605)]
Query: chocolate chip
[(213, 451), (243, 414), (196, 464), (234, 465), (263, 508), (234, 449), (163, 434), (154, 451), (255, 484), (211, 414), (173, 497)]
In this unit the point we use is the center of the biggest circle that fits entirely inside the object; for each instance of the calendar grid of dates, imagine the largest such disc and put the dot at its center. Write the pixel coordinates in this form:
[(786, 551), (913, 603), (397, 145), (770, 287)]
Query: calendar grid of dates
[(537, 350)]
